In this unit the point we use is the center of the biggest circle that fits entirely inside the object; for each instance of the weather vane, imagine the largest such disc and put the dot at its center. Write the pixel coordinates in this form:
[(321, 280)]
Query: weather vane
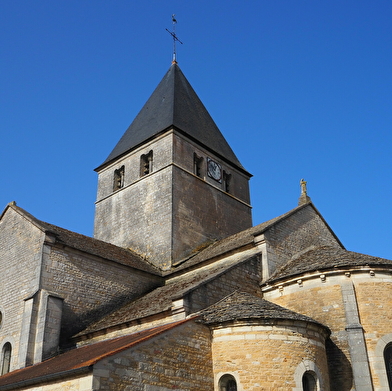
[(175, 39)]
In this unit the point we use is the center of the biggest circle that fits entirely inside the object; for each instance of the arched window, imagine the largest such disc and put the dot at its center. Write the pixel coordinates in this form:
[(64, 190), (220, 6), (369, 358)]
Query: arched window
[(197, 163), (146, 163), (118, 179), (226, 181), (388, 363), (6, 358), (227, 383), (309, 382)]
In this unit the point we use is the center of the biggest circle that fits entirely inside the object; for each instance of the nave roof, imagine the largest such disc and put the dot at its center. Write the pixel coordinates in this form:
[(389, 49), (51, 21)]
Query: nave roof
[(161, 298), (87, 244)]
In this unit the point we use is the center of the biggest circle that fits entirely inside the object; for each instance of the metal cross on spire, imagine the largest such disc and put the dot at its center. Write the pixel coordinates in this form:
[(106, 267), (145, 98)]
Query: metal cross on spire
[(175, 39)]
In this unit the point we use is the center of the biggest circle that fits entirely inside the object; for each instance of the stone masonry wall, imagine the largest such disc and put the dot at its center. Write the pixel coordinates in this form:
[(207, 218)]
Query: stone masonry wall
[(184, 150), (162, 157), (138, 216), (203, 214), (323, 302), (268, 357), (374, 297), (20, 266), (178, 359), (168, 213), (90, 286)]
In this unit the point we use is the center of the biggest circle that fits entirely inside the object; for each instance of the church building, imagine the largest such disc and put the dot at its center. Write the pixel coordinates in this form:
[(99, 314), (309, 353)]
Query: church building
[(177, 290)]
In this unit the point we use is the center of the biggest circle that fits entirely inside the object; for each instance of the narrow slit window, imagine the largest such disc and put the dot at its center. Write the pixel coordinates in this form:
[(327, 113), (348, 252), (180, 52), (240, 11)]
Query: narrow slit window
[(226, 181), (6, 358), (197, 165), (118, 179), (146, 163)]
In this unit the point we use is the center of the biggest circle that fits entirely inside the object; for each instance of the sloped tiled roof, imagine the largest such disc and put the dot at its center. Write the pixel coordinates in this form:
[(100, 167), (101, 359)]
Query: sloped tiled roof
[(160, 299), (78, 358), (323, 258), (238, 240), (174, 103), (244, 306), (90, 245)]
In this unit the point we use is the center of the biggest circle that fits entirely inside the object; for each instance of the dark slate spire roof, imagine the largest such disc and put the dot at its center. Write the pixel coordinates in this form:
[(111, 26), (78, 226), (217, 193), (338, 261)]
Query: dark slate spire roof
[(174, 103)]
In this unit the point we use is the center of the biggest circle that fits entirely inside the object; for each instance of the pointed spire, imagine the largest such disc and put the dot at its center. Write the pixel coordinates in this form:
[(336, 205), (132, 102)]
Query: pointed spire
[(174, 104), (304, 198)]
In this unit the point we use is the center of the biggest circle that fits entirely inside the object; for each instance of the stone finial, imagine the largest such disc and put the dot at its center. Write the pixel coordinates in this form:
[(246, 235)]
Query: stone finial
[(303, 186), (304, 198)]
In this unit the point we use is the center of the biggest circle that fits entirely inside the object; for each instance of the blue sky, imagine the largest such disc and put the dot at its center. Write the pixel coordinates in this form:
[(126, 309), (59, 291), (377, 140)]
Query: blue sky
[(300, 89)]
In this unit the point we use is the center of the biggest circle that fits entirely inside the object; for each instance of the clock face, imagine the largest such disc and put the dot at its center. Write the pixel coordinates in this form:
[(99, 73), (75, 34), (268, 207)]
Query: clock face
[(214, 170)]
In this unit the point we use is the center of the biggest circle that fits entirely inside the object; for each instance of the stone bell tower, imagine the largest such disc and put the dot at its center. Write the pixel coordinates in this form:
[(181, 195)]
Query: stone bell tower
[(172, 184)]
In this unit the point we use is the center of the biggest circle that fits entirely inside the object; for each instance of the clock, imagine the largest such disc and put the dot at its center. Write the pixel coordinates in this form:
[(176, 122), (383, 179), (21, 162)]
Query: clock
[(214, 170)]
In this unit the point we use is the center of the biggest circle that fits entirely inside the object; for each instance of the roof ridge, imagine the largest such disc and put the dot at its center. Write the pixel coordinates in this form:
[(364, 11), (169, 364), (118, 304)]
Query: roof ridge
[(28, 216), (94, 246)]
